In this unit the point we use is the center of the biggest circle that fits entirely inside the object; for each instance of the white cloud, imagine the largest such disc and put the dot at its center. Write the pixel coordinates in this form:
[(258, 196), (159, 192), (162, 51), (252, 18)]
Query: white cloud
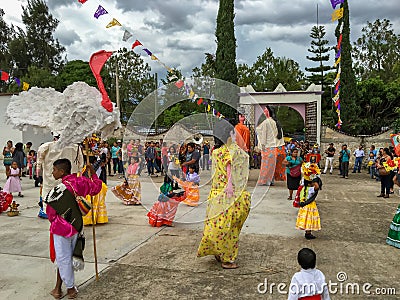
[(179, 32)]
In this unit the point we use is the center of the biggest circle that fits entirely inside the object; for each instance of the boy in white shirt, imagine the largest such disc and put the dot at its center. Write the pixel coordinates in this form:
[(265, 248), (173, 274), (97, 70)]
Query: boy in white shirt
[(309, 283)]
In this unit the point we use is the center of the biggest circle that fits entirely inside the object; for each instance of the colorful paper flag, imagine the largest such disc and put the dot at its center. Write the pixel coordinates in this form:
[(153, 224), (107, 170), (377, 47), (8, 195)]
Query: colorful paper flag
[(136, 43), (179, 84), (336, 2), (337, 62), (338, 53), (199, 101), (208, 107), (100, 11), (148, 52), (82, 1), (127, 36), (4, 76), (17, 81), (25, 86), (113, 22), (339, 43), (191, 94), (153, 57), (337, 14)]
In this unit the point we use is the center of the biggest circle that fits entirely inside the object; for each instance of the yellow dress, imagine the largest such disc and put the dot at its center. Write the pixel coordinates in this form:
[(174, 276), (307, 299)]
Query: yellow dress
[(308, 216), (226, 216), (99, 208)]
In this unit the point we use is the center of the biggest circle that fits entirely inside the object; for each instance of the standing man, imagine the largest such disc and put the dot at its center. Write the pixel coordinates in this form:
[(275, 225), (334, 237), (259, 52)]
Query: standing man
[(345, 157), (206, 155), (151, 159), (330, 155), (359, 154), (192, 157)]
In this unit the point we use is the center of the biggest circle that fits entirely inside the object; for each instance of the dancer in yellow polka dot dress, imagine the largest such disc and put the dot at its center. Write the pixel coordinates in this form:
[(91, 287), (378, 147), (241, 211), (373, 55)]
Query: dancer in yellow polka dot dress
[(228, 200)]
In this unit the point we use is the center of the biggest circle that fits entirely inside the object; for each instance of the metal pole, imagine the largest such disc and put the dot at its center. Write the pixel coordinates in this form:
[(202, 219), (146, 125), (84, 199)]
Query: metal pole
[(155, 105), (117, 87)]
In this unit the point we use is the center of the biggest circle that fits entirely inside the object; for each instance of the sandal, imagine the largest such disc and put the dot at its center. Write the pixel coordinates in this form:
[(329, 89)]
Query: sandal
[(289, 198), (229, 265)]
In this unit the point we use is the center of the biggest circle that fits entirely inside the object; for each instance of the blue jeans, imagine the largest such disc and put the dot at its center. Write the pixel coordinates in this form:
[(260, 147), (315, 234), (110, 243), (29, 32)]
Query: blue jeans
[(357, 164)]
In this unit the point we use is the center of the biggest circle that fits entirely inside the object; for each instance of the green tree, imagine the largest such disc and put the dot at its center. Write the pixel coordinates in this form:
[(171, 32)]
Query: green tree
[(320, 54), (225, 58), (75, 70), (44, 51), (207, 68), (380, 102), (134, 79), (268, 71), (348, 86), (39, 77), (5, 59), (377, 51)]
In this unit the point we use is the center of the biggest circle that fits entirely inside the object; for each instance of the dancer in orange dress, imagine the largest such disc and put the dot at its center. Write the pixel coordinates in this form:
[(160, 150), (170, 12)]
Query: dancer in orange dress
[(191, 187)]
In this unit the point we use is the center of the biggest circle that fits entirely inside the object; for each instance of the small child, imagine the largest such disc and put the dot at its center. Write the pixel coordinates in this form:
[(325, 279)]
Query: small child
[(31, 159), (13, 183), (130, 190), (164, 209), (308, 217), (371, 165), (310, 282), (191, 187)]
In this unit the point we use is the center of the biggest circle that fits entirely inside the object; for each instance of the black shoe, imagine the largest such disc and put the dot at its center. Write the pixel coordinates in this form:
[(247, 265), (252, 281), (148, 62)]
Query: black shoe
[(309, 236), (359, 171), (353, 172), (381, 195)]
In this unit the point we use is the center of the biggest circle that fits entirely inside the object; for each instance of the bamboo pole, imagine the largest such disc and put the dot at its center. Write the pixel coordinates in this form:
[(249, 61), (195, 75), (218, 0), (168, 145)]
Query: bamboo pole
[(93, 224)]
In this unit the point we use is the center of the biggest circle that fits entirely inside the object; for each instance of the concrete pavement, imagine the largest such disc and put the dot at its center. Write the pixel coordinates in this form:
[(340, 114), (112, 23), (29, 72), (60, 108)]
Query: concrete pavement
[(138, 261)]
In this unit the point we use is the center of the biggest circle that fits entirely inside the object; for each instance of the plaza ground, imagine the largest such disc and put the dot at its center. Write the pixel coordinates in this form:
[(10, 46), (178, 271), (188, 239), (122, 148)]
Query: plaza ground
[(137, 261)]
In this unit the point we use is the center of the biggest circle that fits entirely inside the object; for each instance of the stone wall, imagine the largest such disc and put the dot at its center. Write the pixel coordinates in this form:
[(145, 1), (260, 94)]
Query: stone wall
[(329, 135)]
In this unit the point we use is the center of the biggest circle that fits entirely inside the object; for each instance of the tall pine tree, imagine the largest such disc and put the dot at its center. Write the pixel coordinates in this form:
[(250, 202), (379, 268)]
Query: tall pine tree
[(348, 87), (44, 50), (320, 54), (225, 63)]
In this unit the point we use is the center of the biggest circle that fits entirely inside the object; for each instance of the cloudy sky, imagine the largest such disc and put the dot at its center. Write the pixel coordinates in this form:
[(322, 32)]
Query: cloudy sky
[(179, 32)]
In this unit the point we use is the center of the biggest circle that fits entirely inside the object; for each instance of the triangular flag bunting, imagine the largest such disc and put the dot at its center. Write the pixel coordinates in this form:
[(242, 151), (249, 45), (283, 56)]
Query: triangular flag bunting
[(114, 22), (17, 81), (25, 86), (127, 36), (82, 1), (337, 14), (136, 43), (199, 101), (100, 11), (179, 84), (153, 57), (4, 76)]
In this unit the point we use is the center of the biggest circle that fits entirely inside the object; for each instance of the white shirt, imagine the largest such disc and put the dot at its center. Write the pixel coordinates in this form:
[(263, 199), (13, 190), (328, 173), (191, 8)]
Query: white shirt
[(308, 283), (359, 153), (266, 133)]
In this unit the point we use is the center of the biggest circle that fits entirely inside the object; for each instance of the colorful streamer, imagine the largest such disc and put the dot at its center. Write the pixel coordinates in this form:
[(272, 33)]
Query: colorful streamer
[(136, 43), (17, 81), (97, 61), (82, 1), (25, 86)]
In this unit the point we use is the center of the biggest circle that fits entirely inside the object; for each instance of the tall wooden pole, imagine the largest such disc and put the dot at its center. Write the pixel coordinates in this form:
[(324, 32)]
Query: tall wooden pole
[(93, 224)]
